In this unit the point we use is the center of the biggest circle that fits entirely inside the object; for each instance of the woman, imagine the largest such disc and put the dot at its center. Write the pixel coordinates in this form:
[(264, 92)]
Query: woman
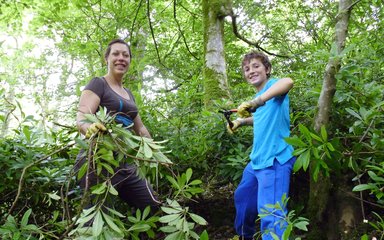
[(108, 91)]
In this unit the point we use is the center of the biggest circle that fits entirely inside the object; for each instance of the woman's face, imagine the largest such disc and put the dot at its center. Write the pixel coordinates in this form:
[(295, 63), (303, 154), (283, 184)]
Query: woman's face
[(256, 73), (118, 60)]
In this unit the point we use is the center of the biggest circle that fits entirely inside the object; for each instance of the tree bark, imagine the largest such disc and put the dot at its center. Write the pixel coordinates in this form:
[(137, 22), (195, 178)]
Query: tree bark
[(215, 70), (324, 196)]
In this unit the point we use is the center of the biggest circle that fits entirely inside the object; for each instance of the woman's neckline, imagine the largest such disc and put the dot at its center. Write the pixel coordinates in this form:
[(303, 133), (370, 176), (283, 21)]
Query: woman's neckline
[(128, 99)]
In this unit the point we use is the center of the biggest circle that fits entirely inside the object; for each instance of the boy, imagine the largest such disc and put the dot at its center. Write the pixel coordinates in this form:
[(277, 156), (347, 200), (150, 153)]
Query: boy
[(266, 177)]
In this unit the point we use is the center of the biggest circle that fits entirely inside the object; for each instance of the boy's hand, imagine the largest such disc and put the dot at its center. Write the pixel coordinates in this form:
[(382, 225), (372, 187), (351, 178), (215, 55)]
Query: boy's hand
[(245, 109), (236, 125), (94, 128)]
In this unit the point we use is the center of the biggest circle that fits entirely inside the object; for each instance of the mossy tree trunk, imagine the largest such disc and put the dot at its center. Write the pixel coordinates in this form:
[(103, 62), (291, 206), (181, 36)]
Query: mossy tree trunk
[(326, 204), (215, 70)]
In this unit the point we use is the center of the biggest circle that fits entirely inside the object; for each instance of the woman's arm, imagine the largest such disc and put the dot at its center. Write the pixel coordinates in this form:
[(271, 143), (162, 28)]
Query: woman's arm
[(89, 103), (139, 127)]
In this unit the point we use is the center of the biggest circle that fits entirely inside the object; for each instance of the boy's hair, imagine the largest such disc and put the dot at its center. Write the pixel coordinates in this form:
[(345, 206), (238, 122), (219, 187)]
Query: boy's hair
[(108, 50), (258, 55)]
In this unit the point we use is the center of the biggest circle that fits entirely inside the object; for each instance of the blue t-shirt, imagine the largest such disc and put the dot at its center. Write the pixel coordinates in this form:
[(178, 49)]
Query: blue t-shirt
[(270, 127)]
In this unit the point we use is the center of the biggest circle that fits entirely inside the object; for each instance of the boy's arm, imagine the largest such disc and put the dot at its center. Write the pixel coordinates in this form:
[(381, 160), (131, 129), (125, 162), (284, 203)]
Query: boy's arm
[(281, 87), (239, 123)]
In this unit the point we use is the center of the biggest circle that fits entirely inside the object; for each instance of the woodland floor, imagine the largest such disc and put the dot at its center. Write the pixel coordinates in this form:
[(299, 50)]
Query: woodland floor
[(218, 209)]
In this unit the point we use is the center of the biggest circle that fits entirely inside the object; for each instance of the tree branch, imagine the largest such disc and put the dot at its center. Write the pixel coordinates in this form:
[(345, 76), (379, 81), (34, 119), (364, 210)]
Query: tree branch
[(25, 170), (134, 20), (237, 34), (152, 32), (181, 32)]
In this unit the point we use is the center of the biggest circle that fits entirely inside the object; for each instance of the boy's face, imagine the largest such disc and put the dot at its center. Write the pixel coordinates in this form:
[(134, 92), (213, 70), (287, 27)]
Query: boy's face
[(255, 73)]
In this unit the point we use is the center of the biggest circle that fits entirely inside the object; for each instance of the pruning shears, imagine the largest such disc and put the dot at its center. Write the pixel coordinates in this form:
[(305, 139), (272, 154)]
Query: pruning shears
[(227, 115)]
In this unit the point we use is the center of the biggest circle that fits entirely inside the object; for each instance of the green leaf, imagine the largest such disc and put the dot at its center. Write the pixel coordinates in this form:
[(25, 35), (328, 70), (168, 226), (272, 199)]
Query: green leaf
[(317, 138), (82, 170), (168, 210), (287, 232), (107, 167), (154, 146), (295, 141), (364, 237), (324, 134), (85, 218), (31, 227), (274, 236), (24, 220), (363, 187), (379, 169), (330, 147), (139, 228), (173, 182), (146, 212), (91, 118), (305, 159), (204, 235), (195, 182), (113, 211), (27, 133), (302, 225), (199, 220), (111, 223), (113, 190), (169, 218), (147, 151), (353, 113), (185, 226), (316, 171), (54, 196), (97, 225), (188, 174), (99, 189), (175, 236), (375, 178), (299, 151), (133, 219), (83, 144), (304, 130), (160, 157), (168, 229)]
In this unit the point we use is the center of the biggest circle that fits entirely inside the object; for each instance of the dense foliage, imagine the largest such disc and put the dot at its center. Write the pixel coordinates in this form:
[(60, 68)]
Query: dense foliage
[(50, 49)]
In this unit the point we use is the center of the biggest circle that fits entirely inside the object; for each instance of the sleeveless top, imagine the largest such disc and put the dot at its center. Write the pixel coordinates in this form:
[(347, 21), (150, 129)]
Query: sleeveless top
[(270, 126)]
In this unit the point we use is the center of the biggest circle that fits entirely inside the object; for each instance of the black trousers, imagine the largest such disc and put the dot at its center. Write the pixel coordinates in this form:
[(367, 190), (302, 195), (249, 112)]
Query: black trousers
[(132, 189)]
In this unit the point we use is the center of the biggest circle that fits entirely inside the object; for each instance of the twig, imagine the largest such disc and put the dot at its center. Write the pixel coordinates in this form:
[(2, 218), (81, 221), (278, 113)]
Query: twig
[(25, 170), (84, 200)]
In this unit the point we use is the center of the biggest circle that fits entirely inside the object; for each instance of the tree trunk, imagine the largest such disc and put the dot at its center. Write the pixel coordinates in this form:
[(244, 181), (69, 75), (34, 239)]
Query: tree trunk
[(8, 108), (325, 204), (215, 71)]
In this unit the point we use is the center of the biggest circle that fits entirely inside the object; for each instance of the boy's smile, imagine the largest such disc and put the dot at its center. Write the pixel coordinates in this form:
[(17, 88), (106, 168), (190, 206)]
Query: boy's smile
[(256, 73)]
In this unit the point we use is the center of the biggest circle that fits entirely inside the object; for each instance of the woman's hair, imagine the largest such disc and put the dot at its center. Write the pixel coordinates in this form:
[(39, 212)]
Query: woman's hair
[(258, 55), (108, 51)]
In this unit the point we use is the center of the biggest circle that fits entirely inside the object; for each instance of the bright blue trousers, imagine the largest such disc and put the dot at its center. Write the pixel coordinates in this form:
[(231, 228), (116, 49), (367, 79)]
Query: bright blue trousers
[(256, 189)]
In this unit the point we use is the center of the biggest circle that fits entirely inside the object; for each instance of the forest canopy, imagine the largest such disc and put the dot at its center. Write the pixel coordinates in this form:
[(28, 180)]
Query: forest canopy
[(186, 66)]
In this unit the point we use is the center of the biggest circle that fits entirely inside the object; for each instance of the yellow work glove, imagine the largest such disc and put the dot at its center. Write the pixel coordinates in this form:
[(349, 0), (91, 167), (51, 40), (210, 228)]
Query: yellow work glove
[(236, 124), (94, 128), (246, 108)]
